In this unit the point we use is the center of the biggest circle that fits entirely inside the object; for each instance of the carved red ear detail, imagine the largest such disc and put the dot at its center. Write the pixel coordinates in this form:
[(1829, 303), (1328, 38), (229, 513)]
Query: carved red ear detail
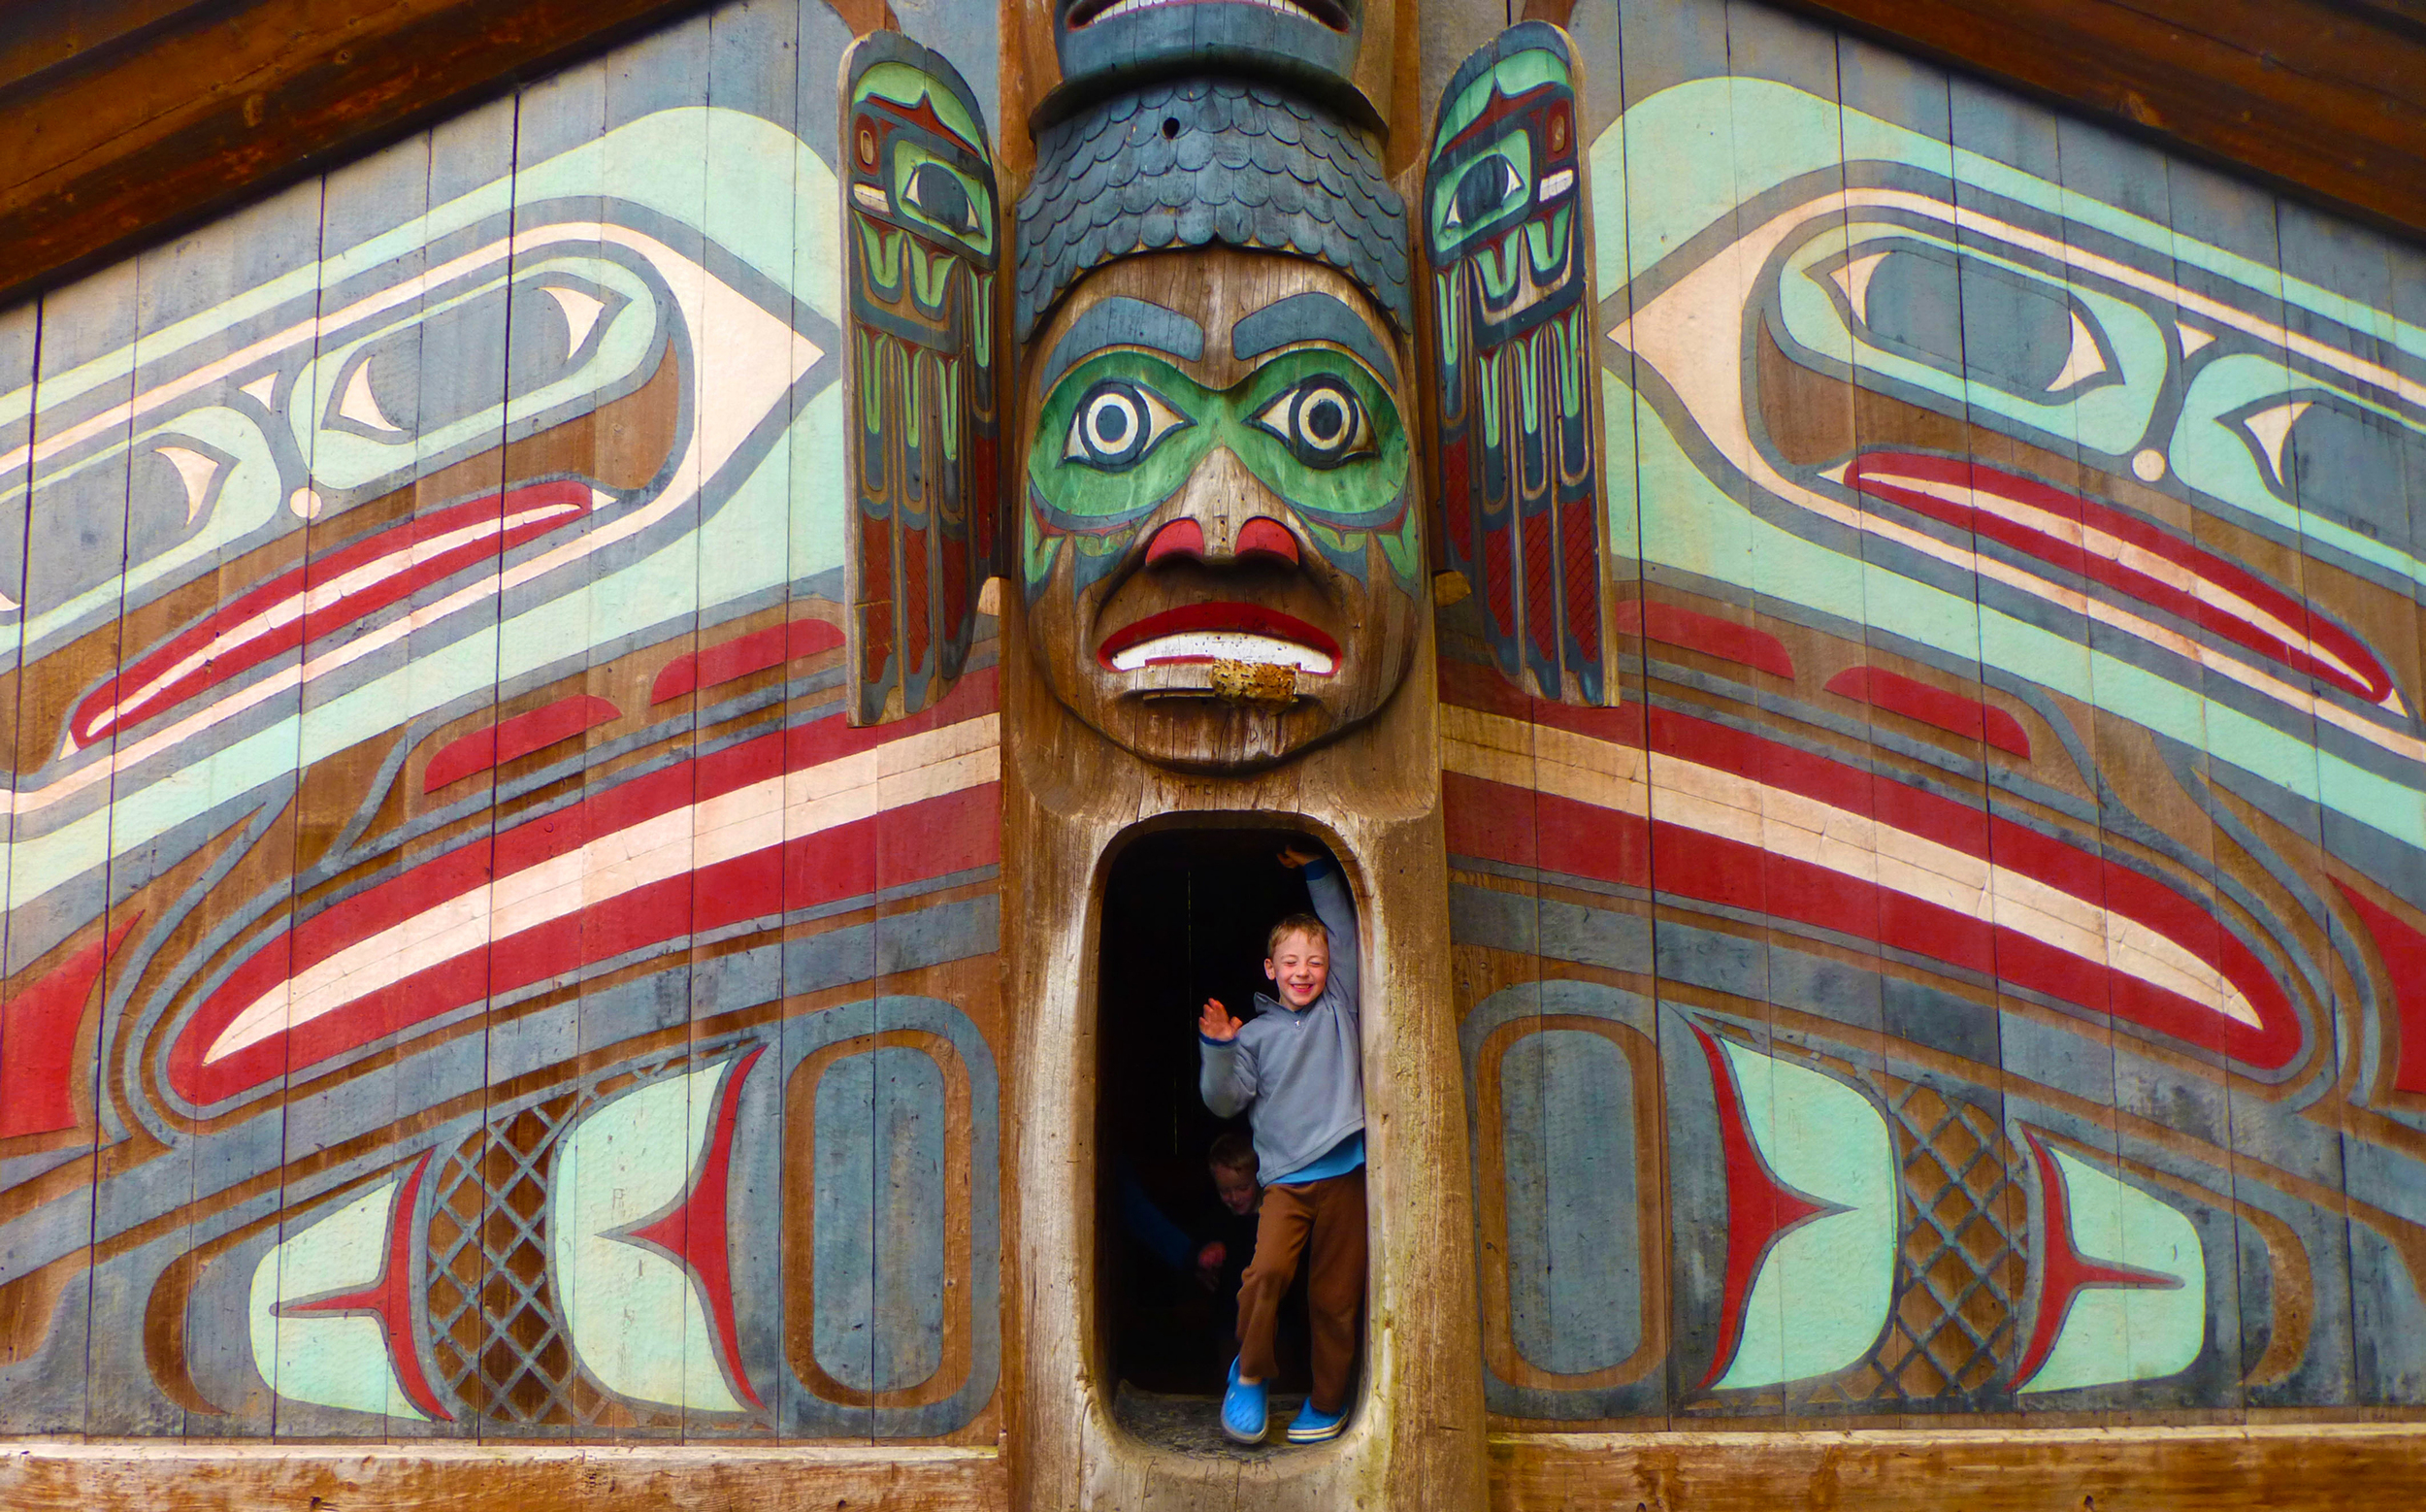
[(1179, 538), (1269, 536)]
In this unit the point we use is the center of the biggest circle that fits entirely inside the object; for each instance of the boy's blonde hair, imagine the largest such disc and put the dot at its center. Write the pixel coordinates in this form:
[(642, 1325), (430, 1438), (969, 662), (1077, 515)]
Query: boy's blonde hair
[(1305, 924)]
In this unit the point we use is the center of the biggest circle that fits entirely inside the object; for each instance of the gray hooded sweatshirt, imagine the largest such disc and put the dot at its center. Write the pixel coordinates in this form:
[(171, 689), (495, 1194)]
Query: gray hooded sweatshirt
[(1301, 1076)]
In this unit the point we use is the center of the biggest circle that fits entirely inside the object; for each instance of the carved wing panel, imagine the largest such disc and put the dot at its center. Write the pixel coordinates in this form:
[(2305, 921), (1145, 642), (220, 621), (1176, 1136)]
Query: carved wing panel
[(921, 245), (1504, 232)]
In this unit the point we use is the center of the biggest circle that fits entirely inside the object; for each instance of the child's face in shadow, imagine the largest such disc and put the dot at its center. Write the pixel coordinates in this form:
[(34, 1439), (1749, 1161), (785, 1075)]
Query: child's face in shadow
[(1237, 1188), (1299, 969)]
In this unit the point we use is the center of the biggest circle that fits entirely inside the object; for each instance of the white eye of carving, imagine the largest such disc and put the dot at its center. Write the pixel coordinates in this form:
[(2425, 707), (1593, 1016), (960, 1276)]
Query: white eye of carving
[(1111, 420), (361, 405), (581, 311), (2083, 362), (195, 470), (1320, 421), (1117, 423)]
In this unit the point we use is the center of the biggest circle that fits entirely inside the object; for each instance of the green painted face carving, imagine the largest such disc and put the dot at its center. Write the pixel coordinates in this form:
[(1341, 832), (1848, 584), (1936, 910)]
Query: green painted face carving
[(1219, 480), (1122, 431)]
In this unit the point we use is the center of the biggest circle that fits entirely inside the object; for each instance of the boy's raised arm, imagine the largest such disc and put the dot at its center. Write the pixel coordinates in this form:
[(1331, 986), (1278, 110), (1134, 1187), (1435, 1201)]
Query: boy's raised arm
[(1327, 886)]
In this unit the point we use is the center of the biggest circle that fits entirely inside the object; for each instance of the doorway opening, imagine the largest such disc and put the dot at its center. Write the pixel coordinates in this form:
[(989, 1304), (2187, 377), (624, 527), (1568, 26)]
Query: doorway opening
[(1186, 917)]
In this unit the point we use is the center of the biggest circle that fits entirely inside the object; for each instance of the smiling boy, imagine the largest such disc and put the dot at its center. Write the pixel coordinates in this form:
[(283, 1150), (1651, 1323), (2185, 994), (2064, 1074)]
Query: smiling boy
[(1298, 1069)]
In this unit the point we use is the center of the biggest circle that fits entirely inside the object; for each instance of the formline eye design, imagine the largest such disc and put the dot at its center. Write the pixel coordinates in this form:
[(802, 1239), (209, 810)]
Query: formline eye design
[(940, 195), (1320, 421), (1117, 423), (1485, 189)]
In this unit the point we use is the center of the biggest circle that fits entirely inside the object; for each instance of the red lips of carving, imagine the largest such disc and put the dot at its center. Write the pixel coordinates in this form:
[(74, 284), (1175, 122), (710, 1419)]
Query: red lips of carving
[(326, 594), (1221, 616)]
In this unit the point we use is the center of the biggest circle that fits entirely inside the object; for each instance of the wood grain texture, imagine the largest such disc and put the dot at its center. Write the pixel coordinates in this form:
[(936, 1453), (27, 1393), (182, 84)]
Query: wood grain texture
[(2358, 1468), (1069, 796), (38, 1477), (222, 99), (2316, 94), (165, 112)]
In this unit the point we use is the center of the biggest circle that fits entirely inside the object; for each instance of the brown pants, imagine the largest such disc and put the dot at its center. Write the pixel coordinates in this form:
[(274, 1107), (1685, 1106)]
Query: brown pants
[(1332, 1213)]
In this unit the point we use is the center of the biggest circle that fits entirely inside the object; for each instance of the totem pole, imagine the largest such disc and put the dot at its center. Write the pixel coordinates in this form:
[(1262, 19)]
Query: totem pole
[(1220, 620)]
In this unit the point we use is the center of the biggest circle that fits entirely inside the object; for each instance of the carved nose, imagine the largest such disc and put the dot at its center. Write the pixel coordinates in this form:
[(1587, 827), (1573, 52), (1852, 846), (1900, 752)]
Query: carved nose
[(1225, 516), (1183, 540)]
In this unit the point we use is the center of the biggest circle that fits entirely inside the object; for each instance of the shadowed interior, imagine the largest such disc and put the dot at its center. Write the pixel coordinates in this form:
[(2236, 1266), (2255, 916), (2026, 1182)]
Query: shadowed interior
[(1184, 918)]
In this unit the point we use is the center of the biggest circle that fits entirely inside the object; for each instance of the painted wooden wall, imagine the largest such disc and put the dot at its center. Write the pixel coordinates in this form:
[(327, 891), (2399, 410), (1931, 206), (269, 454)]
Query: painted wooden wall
[(466, 974), (1976, 965)]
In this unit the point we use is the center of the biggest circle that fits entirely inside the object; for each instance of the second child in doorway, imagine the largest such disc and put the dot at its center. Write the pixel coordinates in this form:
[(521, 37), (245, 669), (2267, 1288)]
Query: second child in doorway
[(1297, 1068)]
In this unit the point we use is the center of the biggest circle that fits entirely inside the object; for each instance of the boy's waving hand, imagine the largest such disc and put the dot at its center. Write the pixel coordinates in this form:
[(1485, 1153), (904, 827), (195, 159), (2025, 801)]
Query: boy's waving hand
[(1216, 1024)]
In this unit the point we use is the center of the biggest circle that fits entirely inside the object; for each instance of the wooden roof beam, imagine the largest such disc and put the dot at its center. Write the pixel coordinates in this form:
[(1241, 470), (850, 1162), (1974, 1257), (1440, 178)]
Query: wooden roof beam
[(124, 121)]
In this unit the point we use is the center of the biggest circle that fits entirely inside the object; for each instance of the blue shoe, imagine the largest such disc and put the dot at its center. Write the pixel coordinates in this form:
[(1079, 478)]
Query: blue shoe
[(1243, 1414), (1310, 1426)]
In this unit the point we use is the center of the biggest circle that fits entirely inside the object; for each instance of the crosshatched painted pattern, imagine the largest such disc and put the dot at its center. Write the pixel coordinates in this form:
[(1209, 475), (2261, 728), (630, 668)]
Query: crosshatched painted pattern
[(2010, 780), (438, 825)]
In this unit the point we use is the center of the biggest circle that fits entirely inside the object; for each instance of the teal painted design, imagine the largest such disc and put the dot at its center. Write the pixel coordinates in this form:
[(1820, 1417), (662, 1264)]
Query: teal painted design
[(2136, 1326), (497, 486), (880, 1223), (1819, 1299), (2089, 337)]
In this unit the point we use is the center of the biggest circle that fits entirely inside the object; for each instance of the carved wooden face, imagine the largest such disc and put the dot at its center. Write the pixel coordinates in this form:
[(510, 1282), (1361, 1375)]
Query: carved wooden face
[(1220, 539)]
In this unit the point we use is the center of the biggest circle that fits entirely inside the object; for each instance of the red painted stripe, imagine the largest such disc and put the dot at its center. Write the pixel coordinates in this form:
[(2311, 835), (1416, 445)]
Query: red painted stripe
[(1498, 562), (1973, 719), (1594, 837), (917, 609), (1485, 819), (1580, 525), (510, 739), (2404, 951), (1456, 481), (1541, 588), (2372, 682), (727, 661), (1674, 625), (39, 1041), (875, 593), (293, 949), (395, 541), (949, 834)]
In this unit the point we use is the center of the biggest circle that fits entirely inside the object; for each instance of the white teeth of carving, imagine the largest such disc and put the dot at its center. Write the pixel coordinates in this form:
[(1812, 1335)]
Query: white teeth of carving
[(1127, 7), (873, 198), (1555, 184), (1223, 645)]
